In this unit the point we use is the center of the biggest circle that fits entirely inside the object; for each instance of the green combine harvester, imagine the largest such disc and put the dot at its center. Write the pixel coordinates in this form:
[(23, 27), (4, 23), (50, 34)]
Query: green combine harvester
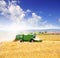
[(27, 38)]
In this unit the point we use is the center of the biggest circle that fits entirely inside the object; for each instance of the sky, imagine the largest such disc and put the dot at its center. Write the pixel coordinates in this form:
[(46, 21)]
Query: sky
[(48, 9), (29, 14), (21, 15)]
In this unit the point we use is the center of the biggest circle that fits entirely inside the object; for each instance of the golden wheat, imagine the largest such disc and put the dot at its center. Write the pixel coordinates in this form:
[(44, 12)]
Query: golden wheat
[(49, 37), (45, 49)]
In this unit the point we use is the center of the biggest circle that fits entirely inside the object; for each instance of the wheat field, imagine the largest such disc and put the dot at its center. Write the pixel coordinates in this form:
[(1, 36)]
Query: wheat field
[(49, 37), (44, 49)]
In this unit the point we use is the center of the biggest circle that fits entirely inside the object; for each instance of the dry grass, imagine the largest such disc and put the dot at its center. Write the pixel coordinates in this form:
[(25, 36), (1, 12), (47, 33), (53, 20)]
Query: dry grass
[(45, 49)]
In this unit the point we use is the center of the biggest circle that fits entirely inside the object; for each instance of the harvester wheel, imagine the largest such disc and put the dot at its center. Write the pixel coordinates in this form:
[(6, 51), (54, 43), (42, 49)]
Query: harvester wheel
[(21, 40), (31, 40)]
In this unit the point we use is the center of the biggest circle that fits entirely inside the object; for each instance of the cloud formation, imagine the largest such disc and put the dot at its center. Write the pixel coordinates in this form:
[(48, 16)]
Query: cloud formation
[(19, 20), (17, 15)]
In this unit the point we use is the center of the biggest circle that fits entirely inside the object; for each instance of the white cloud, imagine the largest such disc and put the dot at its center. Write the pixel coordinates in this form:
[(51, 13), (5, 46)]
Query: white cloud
[(3, 6), (19, 23), (2, 3), (59, 20), (34, 20), (28, 10), (17, 15)]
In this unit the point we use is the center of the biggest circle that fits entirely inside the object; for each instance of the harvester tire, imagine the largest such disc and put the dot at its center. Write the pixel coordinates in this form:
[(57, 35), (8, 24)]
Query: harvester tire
[(21, 40), (31, 40)]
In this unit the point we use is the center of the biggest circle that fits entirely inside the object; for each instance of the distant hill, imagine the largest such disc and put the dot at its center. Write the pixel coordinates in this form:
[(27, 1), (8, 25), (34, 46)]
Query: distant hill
[(43, 30)]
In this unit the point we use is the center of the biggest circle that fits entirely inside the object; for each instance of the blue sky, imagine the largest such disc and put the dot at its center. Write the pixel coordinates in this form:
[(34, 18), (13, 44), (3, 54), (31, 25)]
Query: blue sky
[(30, 14), (48, 9)]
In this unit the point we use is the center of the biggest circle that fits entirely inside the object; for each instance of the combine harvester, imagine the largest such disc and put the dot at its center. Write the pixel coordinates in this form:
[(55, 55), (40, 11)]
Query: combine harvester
[(27, 38)]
